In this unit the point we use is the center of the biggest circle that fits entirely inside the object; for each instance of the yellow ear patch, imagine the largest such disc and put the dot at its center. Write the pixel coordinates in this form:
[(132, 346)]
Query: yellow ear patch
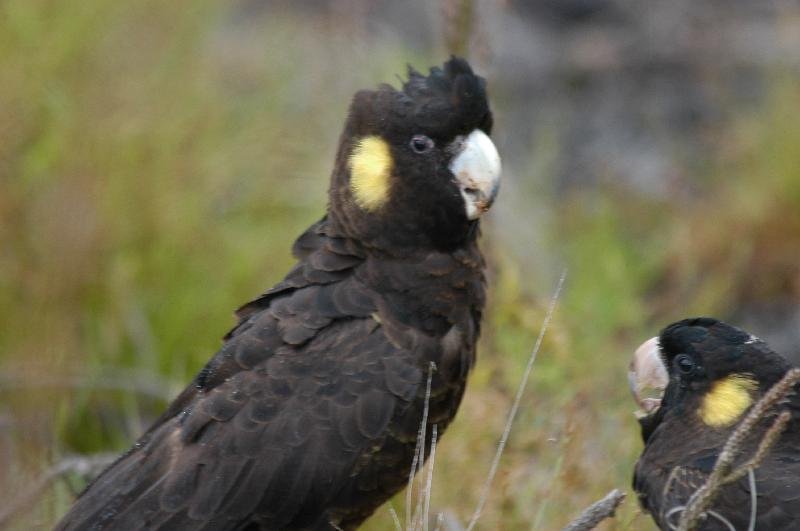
[(370, 168), (727, 400)]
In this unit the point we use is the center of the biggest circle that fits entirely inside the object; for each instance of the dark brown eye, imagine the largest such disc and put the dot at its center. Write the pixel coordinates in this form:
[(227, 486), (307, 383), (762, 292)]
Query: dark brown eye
[(684, 364), (421, 144)]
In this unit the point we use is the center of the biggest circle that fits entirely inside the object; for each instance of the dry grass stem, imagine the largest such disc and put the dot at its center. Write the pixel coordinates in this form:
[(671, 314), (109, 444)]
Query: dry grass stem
[(419, 455), (597, 512), (485, 489), (722, 474)]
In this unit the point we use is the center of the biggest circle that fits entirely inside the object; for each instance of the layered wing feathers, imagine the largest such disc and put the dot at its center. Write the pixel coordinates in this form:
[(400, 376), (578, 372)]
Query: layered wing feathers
[(319, 372)]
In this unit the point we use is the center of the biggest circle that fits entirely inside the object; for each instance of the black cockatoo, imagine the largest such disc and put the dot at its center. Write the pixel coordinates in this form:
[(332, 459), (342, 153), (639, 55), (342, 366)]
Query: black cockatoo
[(307, 417)]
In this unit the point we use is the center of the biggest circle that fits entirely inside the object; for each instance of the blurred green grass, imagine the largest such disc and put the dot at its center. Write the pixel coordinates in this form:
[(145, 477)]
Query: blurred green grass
[(156, 162)]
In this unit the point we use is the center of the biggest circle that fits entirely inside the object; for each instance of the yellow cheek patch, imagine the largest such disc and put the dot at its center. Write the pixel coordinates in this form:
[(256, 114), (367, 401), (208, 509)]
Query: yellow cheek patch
[(727, 400), (370, 168)]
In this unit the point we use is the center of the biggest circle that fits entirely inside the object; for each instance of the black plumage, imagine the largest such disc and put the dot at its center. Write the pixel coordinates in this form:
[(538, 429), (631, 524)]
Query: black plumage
[(683, 437), (307, 417)]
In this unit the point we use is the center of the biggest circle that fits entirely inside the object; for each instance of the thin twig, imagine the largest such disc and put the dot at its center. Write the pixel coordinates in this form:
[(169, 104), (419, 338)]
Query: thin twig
[(597, 512), (515, 406), (83, 465), (721, 474)]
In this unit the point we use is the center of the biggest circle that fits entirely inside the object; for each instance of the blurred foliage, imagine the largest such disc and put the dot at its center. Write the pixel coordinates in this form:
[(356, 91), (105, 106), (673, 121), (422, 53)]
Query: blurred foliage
[(157, 160)]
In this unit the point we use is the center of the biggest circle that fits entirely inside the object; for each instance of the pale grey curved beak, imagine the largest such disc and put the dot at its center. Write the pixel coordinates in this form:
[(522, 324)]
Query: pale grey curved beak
[(476, 167), (646, 371)]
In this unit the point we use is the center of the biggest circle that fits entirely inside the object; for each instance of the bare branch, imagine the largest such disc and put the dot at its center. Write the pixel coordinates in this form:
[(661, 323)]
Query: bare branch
[(89, 466), (722, 474), (597, 512)]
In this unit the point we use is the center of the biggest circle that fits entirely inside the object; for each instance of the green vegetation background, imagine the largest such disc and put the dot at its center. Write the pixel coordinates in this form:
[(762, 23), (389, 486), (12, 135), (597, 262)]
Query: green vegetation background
[(152, 178)]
